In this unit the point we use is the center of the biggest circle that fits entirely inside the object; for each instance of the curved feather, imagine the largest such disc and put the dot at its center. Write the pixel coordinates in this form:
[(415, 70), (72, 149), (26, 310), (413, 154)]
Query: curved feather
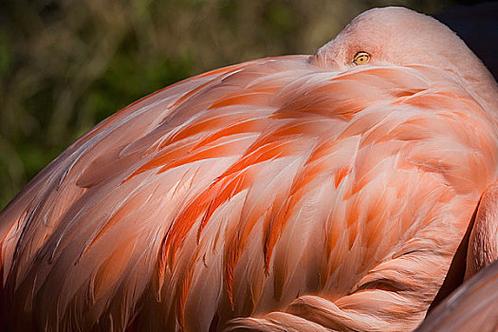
[(472, 307)]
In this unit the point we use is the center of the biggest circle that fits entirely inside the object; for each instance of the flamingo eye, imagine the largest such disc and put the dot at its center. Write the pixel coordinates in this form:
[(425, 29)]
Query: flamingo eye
[(361, 58)]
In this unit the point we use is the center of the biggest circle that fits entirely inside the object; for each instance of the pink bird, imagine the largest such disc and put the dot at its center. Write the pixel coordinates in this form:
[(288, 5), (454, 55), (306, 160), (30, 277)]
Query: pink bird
[(296, 193)]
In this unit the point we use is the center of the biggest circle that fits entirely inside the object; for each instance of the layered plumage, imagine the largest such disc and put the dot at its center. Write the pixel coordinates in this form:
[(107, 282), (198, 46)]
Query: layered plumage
[(278, 194)]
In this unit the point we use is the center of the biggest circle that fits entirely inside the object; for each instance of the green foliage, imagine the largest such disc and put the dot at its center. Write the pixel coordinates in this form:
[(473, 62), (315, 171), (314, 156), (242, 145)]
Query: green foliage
[(5, 56)]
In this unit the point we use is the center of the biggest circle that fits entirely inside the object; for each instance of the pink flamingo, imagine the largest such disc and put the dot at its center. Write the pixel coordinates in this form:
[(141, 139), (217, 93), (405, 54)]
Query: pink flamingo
[(297, 193)]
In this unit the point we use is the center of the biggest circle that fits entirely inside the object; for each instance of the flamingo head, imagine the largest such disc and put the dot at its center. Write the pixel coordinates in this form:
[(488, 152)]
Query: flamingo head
[(398, 36), (402, 37)]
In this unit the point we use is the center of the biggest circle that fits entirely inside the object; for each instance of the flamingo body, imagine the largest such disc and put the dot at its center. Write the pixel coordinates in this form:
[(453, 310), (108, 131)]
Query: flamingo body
[(283, 193)]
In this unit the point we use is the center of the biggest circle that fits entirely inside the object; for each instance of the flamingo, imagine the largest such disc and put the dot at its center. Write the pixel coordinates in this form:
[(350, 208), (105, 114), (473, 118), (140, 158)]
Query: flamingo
[(333, 191)]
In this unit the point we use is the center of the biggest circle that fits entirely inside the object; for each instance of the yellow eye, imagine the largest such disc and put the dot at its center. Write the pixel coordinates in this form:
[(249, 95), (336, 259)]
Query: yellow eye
[(361, 58)]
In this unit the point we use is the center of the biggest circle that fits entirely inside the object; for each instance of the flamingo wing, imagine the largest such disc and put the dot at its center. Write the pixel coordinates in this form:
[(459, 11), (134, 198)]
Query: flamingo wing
[(275, 191)]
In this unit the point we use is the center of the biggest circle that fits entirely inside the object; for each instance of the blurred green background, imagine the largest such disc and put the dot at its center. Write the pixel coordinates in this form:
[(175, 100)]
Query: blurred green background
[(66, 65)]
